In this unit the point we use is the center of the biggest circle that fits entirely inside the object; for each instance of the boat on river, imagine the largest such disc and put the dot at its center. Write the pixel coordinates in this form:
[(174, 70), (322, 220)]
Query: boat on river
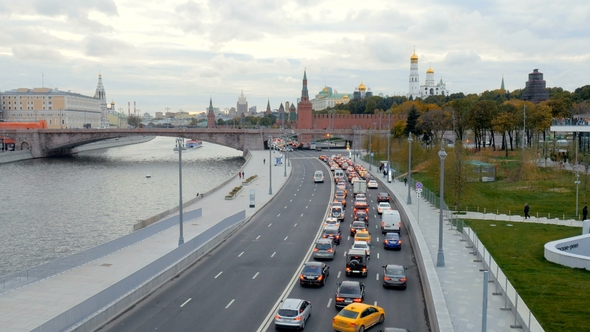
[(194, 143)]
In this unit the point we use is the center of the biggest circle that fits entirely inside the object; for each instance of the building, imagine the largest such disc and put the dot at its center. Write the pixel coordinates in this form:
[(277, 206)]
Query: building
[(211, 115), (361, 92), (430, 88), (101, 95), (535, 89), (328, 98), (242, 105)]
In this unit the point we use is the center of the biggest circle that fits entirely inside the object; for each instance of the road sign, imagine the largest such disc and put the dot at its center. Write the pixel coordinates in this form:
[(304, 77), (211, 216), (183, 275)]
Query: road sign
[(418, 193), (418, 185)]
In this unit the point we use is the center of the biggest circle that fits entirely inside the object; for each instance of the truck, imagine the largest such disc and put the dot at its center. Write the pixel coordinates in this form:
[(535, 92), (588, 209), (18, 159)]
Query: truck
[(359, 187)]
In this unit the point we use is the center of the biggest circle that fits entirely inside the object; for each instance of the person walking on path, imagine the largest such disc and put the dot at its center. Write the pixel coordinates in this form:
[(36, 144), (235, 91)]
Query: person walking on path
[(243, 177), (585, 212), (405, 182), (240, 175), (263, 161), (526, 211)]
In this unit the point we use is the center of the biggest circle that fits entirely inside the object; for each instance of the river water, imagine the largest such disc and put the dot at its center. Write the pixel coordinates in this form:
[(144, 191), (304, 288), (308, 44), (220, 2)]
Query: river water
[(55, 207)]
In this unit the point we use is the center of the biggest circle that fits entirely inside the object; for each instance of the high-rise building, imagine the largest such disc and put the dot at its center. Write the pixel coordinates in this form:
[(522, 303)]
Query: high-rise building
[(242, 104), (535, 89)]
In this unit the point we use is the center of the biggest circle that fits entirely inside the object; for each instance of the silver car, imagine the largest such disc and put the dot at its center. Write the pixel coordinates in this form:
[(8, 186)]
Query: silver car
[(293, 313), (324, 249)]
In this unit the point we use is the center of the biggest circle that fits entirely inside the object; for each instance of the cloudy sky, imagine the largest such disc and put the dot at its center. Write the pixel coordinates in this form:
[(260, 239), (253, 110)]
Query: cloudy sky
[(176, 54)]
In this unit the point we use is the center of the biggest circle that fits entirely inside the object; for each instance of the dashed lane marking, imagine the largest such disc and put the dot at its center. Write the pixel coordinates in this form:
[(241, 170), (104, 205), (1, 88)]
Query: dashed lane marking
[(256, 275), (185, 302), (230, 302), (218, 274), (258, 237), (273, 254), (240, 255), (286, 237)]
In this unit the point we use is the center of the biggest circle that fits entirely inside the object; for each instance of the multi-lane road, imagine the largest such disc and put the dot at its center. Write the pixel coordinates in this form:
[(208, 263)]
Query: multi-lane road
[(238, 286)]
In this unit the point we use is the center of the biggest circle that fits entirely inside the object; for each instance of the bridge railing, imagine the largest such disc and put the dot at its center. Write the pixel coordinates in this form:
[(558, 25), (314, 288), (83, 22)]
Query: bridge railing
[(31, 275)]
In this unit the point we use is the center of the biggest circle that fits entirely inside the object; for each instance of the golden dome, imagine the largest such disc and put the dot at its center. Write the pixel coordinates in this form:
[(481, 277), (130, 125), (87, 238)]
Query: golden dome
[(345, 97), (414, 56), (362, 87), (430, 71)]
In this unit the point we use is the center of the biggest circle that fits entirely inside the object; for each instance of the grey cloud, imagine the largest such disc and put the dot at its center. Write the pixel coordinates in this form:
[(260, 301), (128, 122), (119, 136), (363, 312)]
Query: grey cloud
[(97, 46), (36, 53), (189, 17), (457, 58)]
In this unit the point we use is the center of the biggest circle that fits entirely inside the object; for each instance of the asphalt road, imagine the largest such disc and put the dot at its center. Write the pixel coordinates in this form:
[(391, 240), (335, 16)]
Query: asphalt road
[(238, 286)]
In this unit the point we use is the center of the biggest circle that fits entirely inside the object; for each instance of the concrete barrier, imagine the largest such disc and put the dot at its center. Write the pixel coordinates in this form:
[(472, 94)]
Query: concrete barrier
[(573, 252)]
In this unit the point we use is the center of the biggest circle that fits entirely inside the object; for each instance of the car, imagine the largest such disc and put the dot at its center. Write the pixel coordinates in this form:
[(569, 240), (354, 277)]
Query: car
[(293, 313), (337, 211), (361, 215), (360, 196), (392, 241), (357, 262), (383, 197), (363, 235), (324, 249), (342, 186), (357, 226), (289, 149), (332, 233), (340, 197), (372, 184), (382, 206), (348, 292), (394, 276), (358, 317), (318, 176), (314, 274), (362, 245), (331, 222)]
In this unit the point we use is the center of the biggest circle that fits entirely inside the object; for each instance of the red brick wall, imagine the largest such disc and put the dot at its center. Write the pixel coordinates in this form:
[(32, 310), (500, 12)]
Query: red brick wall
[(347, 121)]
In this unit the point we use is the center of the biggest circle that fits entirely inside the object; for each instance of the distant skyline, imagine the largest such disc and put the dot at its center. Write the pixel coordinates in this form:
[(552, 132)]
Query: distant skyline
[(177, 54)]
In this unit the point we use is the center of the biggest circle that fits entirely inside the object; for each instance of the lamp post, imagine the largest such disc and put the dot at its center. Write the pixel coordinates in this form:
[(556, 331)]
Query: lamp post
[(270, 164), (285, 162), (179, 147), (388, 153), (577, 182), (370, 148), (440, 258), (410, 140)]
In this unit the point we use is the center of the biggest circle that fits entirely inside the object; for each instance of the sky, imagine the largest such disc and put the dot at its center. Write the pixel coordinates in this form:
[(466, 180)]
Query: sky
[(178, 54)]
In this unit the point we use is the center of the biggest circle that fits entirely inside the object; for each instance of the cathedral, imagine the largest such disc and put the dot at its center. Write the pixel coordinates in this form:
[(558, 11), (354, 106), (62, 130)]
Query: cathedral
[(430, 88)]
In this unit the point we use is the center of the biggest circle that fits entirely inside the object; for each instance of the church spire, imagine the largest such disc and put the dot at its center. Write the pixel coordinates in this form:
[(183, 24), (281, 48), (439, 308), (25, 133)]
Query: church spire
[(304, 93), (502, 86), (268, 110)]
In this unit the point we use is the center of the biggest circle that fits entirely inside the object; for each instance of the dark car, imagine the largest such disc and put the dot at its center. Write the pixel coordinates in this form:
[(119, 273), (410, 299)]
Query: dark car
[(361, 215), (340, 197), (357, 225), (332, 233), (392, 241), (314, 274), (383, 197), (349, 292), (394, 276)]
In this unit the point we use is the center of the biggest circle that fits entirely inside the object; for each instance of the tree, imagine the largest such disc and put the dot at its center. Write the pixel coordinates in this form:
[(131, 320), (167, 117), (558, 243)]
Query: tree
[(411, 121), (265, 121), (460, 115), (504, 123), (220, 122), (133, 120), (480, 120)]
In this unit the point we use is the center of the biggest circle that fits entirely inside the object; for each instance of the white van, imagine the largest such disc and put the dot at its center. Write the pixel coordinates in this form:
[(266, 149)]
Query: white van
[(390, 221), (318, 176), (338, 172)]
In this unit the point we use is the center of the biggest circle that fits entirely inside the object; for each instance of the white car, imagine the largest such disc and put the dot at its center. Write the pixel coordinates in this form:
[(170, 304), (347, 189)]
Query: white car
[(382, 206), (332, 222), (362, 245), (372, 184)]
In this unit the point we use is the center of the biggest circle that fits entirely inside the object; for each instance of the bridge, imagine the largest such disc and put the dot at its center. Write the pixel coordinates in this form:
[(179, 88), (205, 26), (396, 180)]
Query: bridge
[(59, 142)]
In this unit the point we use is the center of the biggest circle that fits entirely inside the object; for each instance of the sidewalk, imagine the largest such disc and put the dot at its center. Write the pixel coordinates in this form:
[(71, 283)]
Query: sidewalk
[(460, 281), (29, 307)]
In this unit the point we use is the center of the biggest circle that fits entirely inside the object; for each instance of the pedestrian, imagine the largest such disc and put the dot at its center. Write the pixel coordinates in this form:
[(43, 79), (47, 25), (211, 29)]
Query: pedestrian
[(243, 177), (264, 161), (526, 211), (405, 182), (585, 212), (240, 174), (384, 173)]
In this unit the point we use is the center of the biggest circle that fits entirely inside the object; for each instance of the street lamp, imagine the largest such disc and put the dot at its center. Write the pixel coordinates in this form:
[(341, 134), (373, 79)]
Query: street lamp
[(270, 164), (410, 140), (577, 182), (440, 258), (179, 147), (388, 153), (370, 148)]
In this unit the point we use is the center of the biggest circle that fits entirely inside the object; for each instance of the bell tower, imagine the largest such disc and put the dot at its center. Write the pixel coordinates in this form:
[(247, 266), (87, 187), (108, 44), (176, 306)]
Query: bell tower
[(210, 115), (304, 116)]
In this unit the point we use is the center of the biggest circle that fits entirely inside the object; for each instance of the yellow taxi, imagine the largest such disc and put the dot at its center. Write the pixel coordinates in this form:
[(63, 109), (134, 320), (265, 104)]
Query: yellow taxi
[(363, 236), (358, 317)]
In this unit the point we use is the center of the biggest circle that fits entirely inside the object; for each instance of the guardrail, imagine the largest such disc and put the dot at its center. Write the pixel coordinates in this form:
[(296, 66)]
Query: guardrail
[(99, 309), (31, 275)]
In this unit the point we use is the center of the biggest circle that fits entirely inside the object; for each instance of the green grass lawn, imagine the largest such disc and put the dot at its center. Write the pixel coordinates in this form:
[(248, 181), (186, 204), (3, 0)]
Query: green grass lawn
[(558, 296)]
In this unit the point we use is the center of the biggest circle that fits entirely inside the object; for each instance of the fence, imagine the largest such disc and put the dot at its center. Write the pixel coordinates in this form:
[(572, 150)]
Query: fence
[(22, 278), (111, 301)]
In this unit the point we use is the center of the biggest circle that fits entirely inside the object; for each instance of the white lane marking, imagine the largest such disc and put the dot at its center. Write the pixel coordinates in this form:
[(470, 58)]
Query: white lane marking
[(218, 274), (291, 201), (297, 189), (377, 277), (375, 303), (338, 276), (306, 206), (329, 302), (344, 253), (286, 237), (285, 207), (312, 195), (294, 194), (310, 199), (302, 214), (230, 302), (256, 275), (377, 255), (271, 224), (258, 237), (185, 302), (240, 255), (348, 237), (278, 215), (295, 225), (376, 226), (273, 254), (377, 238)]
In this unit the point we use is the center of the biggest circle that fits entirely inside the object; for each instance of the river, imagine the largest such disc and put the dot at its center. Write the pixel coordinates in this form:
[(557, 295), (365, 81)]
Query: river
[(55, 207)]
